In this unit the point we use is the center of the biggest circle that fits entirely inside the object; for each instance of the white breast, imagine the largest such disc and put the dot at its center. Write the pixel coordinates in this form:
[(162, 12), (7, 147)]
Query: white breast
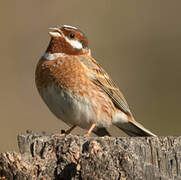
[(70, 109)]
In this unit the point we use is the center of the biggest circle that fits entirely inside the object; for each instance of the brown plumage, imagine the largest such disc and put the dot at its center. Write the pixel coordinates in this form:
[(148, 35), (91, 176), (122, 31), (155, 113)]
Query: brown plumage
[(78, 90)]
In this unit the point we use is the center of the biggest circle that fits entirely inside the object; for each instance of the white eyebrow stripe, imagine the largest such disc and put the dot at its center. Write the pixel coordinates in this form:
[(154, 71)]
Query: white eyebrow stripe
[(52, 56), (74, 43)]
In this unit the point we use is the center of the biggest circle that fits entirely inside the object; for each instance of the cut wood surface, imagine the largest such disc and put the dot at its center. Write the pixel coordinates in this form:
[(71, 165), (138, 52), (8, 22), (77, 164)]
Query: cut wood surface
[(47, 157)]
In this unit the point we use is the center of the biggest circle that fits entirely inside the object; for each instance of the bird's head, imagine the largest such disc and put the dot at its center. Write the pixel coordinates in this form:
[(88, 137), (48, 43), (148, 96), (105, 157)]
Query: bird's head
[(68, 40)]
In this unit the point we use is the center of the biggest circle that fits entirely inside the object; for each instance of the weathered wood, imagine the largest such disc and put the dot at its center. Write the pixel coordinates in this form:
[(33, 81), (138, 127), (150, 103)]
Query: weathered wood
[(75, 157)]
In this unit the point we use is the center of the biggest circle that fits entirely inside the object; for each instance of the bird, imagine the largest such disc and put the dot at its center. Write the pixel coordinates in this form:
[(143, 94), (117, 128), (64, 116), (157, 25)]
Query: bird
[(78, 91)]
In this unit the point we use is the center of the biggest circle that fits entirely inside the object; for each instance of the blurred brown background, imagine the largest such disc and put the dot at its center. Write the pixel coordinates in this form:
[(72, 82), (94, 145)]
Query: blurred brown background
[(137, 42)]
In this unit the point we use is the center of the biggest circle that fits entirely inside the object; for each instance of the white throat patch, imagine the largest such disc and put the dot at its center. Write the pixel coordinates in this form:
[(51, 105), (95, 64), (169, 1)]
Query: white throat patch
[(53, 56), (74, 43)]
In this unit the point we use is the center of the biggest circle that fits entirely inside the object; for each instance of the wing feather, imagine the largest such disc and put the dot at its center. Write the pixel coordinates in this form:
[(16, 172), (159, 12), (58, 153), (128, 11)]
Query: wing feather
[(102, 79)]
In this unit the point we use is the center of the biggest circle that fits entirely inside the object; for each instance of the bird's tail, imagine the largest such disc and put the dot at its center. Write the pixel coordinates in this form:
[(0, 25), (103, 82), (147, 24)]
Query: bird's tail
[(133, 128)]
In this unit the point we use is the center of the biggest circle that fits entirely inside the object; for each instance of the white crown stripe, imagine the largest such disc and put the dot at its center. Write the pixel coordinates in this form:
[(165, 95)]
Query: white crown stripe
[(71, 27)]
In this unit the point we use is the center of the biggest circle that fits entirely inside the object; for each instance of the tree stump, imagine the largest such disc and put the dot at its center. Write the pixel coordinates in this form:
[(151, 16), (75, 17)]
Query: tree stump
[(45, 157)]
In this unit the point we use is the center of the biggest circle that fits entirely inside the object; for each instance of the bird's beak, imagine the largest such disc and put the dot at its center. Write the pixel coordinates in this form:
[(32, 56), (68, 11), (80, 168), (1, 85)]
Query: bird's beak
[(55, 32)]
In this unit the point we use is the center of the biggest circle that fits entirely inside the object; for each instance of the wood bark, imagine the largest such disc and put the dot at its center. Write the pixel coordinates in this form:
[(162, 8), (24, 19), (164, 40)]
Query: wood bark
[(47, 157)]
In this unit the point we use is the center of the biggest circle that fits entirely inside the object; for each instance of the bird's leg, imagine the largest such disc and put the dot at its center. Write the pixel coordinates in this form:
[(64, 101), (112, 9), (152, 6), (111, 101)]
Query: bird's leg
[(69, 130), (66, 132), (90, 130)]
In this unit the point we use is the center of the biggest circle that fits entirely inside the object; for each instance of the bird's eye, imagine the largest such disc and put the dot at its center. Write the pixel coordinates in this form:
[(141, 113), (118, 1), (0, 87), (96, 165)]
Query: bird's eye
[(71, 35)]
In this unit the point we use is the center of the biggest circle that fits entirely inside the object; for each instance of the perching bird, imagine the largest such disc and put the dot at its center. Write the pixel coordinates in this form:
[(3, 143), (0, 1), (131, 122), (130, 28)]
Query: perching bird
[(77, 89)]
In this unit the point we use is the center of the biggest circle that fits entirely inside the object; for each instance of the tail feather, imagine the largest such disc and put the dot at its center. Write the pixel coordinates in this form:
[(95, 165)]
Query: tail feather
[(133, 128)]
